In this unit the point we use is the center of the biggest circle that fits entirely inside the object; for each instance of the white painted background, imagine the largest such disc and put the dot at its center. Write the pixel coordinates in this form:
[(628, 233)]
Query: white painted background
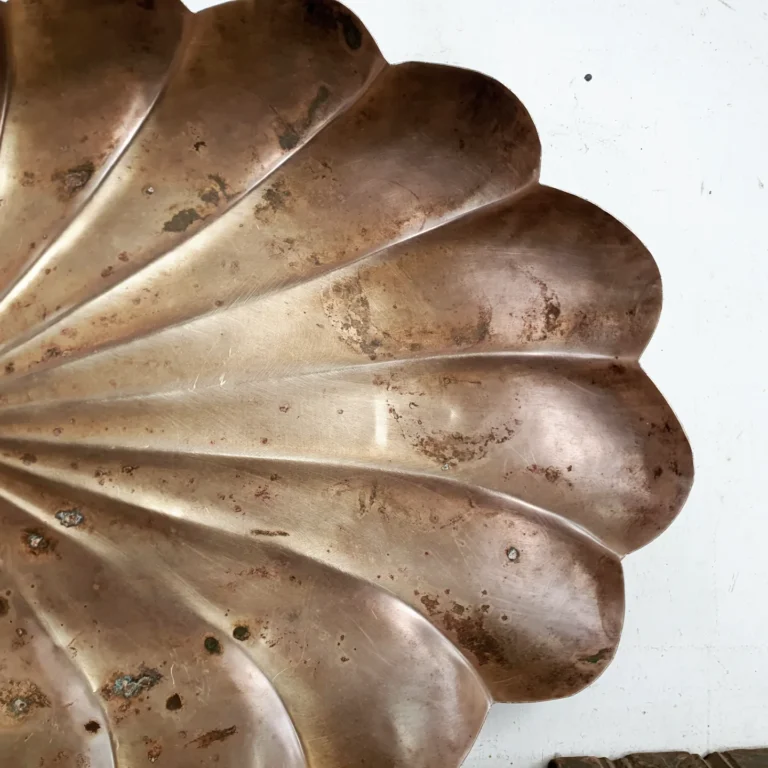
[(671, 137)]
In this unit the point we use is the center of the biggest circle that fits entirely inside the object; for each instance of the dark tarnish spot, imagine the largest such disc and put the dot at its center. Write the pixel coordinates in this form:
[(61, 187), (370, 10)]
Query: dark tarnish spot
[(92, 726), (292, 133), (173, 703), (210, 196), (4, 607), (550, 474), (181, 220), (261, 572), (130, 686), (288, 140), (352, 34), (551, 312), (474, 334), (73, 180), (370, 501), (241, 633), (602, 655), (472, 636), (274, 199), (28, 458), (456, 448), (347, 307), (212, 645), (539, 324), (154, 749), (52, 352), (321, 14), (213, 736), (322, 95), (222, 185), (430, 603), (70, 518), (19, 641), (21, 697), (262, 532), (481, 98)]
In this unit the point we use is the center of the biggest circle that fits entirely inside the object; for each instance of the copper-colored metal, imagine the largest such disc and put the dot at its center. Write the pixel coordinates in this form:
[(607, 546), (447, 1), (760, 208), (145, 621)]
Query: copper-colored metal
[(322, 424)]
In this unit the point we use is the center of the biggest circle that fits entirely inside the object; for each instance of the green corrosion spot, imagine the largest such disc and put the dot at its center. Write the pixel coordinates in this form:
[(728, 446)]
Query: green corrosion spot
[(70, 518), (601, 655), (129, 686)]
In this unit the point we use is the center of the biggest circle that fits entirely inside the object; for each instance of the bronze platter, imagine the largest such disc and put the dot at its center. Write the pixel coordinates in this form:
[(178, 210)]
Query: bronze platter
[(322, 425)]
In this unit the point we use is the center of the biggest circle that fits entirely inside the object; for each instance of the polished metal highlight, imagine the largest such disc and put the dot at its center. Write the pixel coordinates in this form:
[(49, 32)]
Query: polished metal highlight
[(321, 420)]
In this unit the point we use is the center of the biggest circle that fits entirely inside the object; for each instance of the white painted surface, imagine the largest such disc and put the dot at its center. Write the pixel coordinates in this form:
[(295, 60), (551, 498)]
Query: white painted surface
[(670, 136)]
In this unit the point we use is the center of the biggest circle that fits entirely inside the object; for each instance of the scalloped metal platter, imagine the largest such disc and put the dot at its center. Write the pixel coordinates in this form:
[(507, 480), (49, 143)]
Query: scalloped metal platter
[(321, 420)]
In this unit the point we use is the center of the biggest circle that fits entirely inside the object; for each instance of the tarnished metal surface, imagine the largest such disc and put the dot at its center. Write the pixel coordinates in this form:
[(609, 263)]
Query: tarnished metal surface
[(321, 421)]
